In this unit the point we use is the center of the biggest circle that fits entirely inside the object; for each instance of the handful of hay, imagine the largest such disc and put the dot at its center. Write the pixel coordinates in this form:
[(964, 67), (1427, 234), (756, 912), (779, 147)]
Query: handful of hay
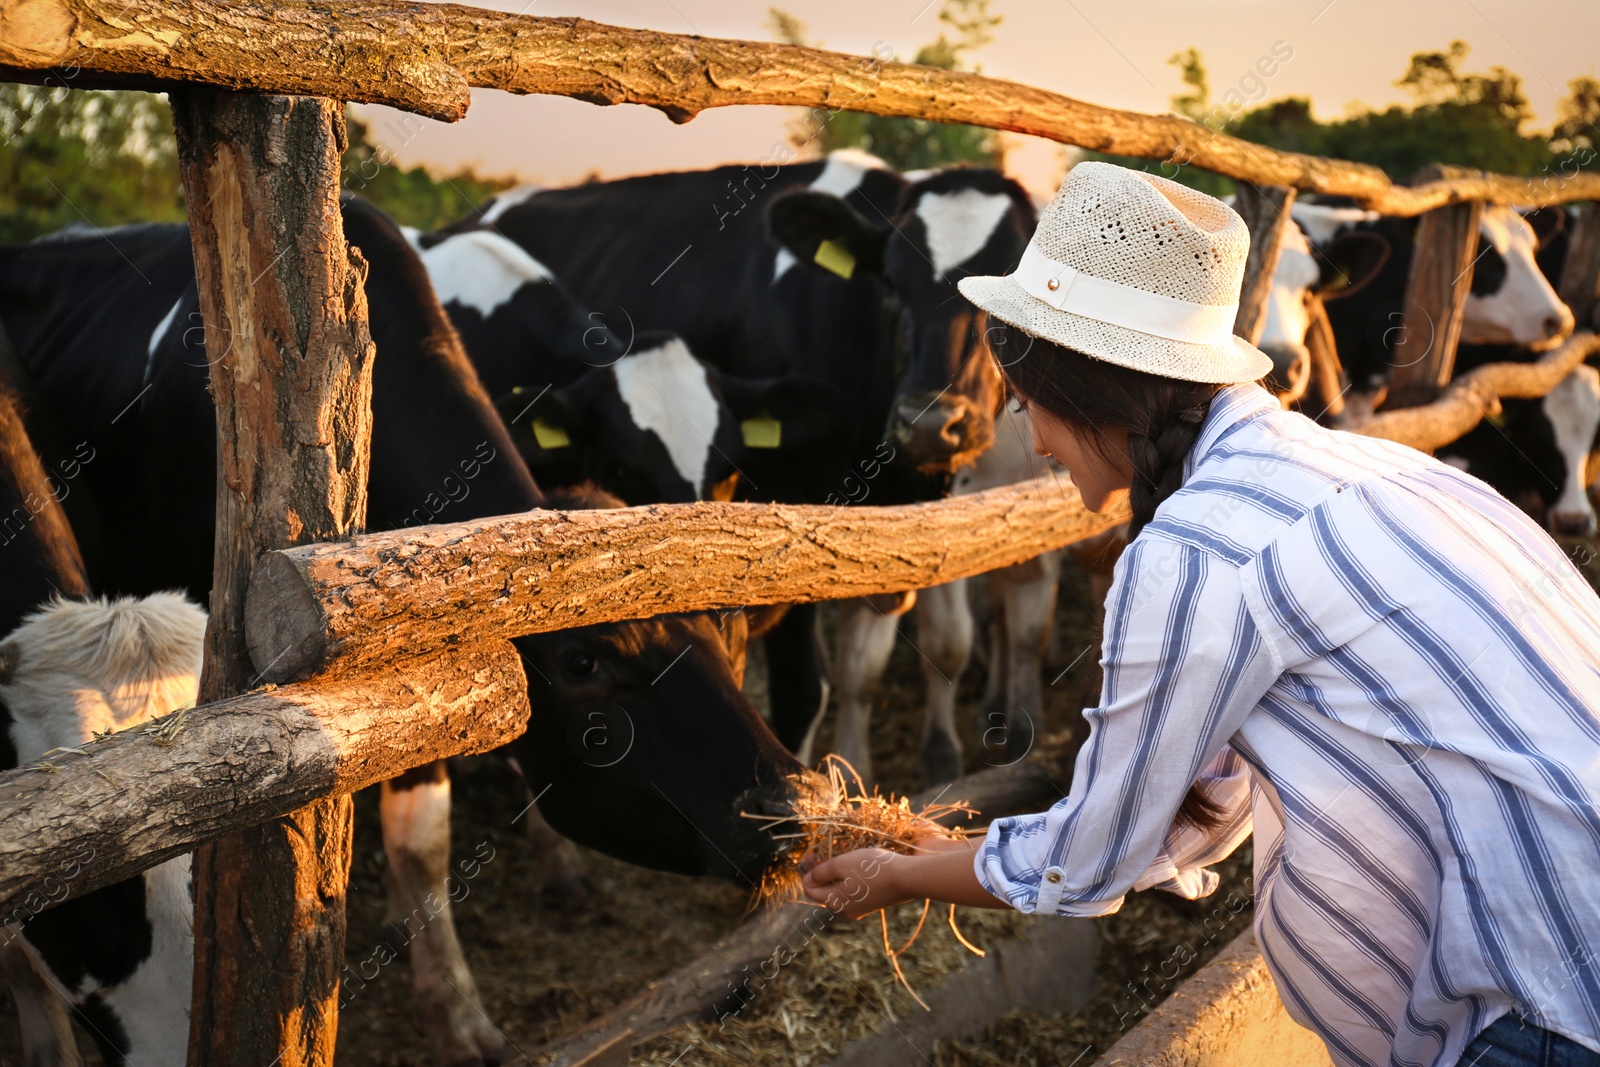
[(830, 819)]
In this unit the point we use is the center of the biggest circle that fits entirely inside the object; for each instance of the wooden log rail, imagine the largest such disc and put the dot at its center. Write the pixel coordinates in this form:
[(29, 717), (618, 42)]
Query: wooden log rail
[(364, 600), (1477, 394), (426, 57), (90, 817)]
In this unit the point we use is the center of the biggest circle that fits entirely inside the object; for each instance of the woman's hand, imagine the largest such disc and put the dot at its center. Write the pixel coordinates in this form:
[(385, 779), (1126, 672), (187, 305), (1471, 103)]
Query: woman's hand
[(856, 884), (859, 883)]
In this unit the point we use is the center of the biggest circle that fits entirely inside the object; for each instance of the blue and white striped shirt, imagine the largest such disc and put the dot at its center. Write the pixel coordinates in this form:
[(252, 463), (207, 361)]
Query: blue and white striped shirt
[(1391, 674)]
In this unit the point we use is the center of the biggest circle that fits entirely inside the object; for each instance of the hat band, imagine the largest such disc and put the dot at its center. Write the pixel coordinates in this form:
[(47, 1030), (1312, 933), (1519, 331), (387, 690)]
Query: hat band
[(1068, 289)]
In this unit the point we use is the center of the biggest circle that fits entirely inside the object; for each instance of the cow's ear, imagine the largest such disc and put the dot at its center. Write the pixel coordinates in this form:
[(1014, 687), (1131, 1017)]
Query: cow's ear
[(827, 234), (1350, 263), (787, 412), (1547, 223), (546, 422)]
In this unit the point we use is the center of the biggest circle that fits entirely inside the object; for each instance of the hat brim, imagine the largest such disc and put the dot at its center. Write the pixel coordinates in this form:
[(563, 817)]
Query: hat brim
[(1219, 364)]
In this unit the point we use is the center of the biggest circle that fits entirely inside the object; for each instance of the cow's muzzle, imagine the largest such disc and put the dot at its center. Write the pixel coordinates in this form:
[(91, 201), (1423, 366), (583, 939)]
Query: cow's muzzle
[(938, 433)]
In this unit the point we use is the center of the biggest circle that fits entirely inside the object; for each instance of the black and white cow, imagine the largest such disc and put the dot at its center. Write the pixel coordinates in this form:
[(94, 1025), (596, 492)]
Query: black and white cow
[(1537, 452), (1511, 302), (839, 270), (1306, 278), (109, 328), (635, 413), (119, 959)]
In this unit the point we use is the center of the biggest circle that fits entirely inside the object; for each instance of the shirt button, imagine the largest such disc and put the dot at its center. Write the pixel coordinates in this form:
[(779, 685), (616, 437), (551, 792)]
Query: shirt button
[(1053, 877)]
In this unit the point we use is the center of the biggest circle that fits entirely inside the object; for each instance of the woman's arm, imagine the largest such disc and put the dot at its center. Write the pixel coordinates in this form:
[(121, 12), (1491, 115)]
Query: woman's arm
[(1184, 666), (862, 882)]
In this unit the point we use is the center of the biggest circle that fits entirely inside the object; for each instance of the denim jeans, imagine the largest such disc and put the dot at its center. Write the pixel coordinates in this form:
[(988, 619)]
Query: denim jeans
[(1512, 1041)]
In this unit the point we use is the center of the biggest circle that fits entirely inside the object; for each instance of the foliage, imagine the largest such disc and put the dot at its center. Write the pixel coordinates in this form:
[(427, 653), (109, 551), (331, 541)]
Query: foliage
[(73, 156), (411, 197), (1578, 116), (1455, 116), (904, 143), (109, 158)]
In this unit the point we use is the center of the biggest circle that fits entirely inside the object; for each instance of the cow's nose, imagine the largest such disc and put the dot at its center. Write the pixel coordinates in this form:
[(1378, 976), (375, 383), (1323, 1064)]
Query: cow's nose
[(930, 429), (1558, 325)]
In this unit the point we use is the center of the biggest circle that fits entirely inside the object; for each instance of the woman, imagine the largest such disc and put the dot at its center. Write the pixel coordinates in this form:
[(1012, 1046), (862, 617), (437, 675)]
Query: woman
[(1368, 657)]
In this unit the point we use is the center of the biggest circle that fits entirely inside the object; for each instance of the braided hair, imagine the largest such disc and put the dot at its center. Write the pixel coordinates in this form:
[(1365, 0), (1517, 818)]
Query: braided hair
[(1162, 418)]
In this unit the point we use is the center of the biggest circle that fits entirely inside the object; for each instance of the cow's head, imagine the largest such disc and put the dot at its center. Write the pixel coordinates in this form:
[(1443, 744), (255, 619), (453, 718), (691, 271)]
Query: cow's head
[(641, 744), (515, 319), (1306, 276), (949, 225), (1572, 410), (1511, 302), (660, 426)]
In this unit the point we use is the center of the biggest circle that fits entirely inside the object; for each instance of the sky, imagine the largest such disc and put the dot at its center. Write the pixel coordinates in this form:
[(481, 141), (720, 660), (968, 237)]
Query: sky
[(1108, 52)]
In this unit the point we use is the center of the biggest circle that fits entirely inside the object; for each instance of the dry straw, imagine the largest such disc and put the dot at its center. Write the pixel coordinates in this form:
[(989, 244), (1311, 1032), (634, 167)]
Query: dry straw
[(828, 818)]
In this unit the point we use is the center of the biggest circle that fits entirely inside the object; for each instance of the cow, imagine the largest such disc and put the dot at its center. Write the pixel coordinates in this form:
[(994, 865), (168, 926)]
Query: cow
[(839, 270), (635, 413), (1306, 278), (109, 328), (1510, 303), (118, 958), (1536, 451), (1022, 600)]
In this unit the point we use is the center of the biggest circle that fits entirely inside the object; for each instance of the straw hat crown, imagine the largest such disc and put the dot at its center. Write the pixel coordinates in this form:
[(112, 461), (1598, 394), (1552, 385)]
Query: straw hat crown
[(1136, 270)]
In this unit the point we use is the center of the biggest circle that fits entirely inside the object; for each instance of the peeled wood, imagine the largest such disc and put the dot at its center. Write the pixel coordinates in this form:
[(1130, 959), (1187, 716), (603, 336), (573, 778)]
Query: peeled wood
[(145, 795), (1265, 211), (714, 983), (290, 357), (1435, 300), (377, 595), (423, 58), (1477, 394)]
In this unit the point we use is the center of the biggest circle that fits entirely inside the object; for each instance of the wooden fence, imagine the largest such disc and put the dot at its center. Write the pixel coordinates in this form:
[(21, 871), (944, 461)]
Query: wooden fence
[(392, 645)]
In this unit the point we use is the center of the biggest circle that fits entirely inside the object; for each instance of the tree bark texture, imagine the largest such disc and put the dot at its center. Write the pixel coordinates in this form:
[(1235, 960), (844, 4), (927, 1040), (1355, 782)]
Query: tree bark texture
[(291, 377), (1265, 211), (1435, 300), (424, 58), (1476, 395), (1580, 276), (363, 601), (715, 982), (89, 817)]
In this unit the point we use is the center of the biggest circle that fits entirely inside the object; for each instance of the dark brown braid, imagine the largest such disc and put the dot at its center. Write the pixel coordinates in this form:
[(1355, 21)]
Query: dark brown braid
[(1162, 417), (1158, 451)]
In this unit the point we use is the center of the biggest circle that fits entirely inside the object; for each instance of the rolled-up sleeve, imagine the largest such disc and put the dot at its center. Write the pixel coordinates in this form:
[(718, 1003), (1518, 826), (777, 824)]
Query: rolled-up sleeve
[(1184, 664)]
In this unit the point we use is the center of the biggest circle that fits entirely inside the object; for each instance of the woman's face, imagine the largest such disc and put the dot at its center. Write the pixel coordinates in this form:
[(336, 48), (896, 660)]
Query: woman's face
[(1101, 482)]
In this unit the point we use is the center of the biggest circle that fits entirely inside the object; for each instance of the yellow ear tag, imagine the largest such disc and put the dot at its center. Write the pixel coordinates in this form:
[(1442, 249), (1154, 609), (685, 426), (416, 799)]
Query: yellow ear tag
[(550, 436), (835, 258), (763, 431)]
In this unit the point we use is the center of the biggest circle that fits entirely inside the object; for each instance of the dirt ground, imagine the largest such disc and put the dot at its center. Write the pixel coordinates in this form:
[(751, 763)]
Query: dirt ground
[(545, 966)]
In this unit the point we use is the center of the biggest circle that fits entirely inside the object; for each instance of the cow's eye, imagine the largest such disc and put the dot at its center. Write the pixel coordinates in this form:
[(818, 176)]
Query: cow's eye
[(579, 665)]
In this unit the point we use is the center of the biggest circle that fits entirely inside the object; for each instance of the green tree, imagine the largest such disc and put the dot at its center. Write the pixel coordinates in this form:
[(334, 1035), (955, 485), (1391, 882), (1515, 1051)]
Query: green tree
[(907, 143), (1578, 116), (411, 197), (1471, 120), (73, 156)]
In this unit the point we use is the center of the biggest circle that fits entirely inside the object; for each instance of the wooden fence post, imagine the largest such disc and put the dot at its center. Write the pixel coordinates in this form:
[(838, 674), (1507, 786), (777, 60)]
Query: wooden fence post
[(1436, 296), (1265, 210), (1580, 277), (291, 377)]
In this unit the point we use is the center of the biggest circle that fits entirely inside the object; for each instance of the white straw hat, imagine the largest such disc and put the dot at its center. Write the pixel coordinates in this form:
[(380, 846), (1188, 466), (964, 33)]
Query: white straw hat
[(1135, 270)]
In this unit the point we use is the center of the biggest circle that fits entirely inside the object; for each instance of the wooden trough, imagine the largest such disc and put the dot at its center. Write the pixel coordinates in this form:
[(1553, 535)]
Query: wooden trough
[(257, 92)]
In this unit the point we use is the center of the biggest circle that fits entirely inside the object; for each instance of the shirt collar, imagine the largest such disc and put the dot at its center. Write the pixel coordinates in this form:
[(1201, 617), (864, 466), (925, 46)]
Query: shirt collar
[(1232, 405)]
